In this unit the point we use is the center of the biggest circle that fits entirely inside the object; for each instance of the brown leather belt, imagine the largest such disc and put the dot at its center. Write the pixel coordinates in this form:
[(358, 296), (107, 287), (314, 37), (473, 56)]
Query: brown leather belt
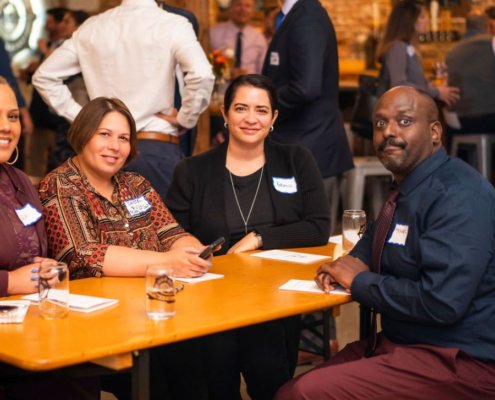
[(162, 137)]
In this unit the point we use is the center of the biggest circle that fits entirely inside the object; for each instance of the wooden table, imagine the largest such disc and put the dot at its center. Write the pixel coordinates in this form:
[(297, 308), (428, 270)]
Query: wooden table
[(119, 337)]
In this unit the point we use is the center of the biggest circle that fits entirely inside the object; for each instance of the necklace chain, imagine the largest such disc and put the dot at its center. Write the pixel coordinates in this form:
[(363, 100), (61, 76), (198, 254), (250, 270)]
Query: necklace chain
[(245, 220)]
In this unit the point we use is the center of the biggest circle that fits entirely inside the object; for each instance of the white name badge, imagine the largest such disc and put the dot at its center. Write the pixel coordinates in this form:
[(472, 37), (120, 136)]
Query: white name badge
[(411, 51), (285, 185), (274, 58), (28, 214), (399, 235), (137, 206)]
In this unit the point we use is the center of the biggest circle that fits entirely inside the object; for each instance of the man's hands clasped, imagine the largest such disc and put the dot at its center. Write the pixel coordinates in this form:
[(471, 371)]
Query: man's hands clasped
[(341, 271)]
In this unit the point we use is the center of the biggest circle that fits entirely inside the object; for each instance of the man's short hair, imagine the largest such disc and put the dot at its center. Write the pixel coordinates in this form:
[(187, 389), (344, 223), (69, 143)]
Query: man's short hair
[(57, 13), (431, 105), (433, 113)]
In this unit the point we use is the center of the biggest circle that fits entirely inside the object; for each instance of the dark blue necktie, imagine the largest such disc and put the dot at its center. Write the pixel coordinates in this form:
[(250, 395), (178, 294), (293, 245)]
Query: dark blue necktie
[(279, 19), (238, 50)]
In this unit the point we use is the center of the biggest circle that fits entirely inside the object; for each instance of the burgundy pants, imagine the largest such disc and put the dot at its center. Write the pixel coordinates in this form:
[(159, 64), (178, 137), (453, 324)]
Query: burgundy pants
[(395, 372)]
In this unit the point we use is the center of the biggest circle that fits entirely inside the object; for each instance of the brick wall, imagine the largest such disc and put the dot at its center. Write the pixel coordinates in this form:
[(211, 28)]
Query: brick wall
[(353, 21)]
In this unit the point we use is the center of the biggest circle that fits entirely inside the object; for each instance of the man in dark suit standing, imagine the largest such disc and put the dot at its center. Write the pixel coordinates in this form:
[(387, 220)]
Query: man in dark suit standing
[(302, 61)]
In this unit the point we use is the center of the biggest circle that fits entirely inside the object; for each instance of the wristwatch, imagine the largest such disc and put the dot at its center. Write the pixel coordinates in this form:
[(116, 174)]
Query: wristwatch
[(260, 239)]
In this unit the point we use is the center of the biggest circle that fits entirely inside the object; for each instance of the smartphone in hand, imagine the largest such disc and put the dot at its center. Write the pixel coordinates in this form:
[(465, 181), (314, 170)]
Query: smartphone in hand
[(208, 250)]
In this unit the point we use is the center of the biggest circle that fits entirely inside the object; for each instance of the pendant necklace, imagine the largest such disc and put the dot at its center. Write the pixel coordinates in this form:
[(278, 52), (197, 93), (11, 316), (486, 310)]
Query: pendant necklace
[(245, 220)]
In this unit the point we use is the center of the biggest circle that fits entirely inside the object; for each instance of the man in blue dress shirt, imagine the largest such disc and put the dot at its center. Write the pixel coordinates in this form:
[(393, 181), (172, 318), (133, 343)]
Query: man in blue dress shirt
[(436, 288)]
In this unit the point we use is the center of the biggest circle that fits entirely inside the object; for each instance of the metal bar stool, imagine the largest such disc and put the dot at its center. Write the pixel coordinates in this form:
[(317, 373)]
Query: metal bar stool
[(483, 143), (364, 167)]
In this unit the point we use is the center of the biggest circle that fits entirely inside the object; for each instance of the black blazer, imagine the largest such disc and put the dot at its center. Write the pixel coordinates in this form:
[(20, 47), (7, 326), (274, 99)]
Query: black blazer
[(196, 198), (302, 61)]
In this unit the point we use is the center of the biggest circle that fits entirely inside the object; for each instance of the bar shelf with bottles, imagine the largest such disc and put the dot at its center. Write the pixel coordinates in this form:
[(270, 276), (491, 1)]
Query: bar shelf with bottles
[(440, 36), (445, 31)]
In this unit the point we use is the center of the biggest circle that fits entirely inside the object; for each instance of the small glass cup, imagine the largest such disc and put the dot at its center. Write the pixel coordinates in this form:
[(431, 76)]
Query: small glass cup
[(160, 292), (53, 289), (353, 227)]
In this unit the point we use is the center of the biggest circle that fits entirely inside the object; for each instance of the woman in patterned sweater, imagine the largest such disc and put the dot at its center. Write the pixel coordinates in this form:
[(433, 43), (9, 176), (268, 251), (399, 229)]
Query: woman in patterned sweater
[(104, 221)]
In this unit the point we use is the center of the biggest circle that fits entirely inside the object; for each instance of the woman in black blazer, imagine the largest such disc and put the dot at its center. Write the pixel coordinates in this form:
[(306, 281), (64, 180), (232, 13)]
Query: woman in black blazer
[(257, 194)]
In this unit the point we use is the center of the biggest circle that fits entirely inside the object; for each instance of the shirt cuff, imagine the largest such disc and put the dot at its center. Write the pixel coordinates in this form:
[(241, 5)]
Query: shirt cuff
[(362, 287)]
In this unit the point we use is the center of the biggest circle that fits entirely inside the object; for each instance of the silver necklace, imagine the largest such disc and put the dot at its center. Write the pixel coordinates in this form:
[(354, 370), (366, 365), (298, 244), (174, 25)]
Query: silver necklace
[(245, 220)]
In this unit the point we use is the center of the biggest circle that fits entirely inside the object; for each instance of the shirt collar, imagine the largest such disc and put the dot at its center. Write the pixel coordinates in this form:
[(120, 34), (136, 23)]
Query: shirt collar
[(81, 179), (287, 6), (234, 26), (423, 171), (135, 3)]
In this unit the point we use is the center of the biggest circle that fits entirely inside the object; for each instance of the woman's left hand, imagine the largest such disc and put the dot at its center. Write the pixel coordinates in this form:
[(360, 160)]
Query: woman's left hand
[(247, 243)]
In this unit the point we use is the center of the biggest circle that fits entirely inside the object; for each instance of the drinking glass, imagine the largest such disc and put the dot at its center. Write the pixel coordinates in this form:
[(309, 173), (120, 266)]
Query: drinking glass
[(53, 289), (353, 227), (160, 292)]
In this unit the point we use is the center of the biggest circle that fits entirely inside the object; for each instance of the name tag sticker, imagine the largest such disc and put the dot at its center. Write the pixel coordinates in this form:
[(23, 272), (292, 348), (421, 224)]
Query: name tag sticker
[(137, 206), (28, 214), (399, 235), (285, 185), (274, 58)]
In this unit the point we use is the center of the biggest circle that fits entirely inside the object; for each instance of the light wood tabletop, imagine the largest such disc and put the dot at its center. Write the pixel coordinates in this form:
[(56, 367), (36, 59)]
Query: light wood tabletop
[(247, 294)]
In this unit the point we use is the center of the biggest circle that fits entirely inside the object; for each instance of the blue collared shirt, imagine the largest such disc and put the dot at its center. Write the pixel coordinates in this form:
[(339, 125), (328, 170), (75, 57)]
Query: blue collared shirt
[(438, 277)]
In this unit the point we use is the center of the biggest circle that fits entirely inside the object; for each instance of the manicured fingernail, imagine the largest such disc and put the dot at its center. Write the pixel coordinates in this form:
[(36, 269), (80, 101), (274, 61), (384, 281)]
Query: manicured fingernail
[(34, 270), (34, 277)]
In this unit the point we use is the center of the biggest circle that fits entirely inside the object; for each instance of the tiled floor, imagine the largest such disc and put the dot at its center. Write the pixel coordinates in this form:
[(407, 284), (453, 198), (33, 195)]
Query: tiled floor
[(347, 331)]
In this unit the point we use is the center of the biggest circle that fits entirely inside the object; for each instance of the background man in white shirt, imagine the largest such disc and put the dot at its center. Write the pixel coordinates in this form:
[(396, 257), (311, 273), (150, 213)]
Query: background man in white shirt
[(131, 52)]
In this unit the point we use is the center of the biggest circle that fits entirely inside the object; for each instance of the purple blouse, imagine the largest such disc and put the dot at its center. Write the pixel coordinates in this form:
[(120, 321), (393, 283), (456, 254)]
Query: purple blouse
[(20, 243)]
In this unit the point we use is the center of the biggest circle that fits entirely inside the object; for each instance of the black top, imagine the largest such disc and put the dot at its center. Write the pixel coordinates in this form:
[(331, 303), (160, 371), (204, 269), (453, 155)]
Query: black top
[(245, 187), (196, 197)]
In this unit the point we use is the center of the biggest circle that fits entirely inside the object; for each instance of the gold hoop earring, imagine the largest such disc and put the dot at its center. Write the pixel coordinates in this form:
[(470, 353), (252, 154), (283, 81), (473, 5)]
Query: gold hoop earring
[(16, 157), (225, 125), (272, 128)]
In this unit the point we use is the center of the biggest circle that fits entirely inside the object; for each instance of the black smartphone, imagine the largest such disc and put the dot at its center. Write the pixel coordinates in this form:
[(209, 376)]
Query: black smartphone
[(7, 308), (208, 250)]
